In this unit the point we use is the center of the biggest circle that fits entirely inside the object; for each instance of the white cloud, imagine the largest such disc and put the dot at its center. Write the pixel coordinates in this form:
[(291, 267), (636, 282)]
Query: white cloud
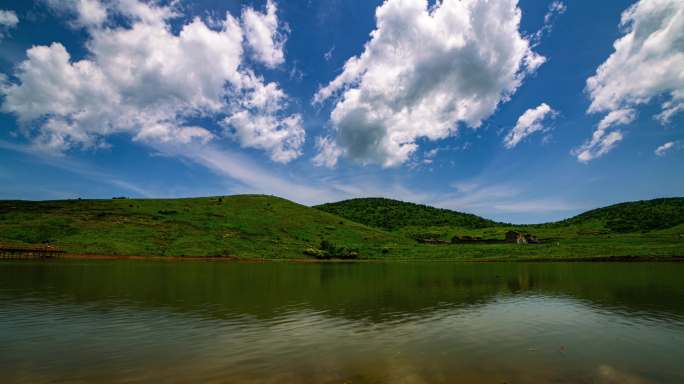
[(432, 153), (667, 147), (328, 152), (83, 13), (618, 117), (329, 53), (556, 9), (146, 81), (90, 12), (263, 35), (603, 141), (8, 20), (282, 138), (424, 71), (647, 62), (670, 108), (528, 123), (600, 144)]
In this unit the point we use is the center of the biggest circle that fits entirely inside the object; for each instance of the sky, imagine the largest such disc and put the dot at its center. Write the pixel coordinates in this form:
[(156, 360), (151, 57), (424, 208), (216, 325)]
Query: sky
[(520, 111)]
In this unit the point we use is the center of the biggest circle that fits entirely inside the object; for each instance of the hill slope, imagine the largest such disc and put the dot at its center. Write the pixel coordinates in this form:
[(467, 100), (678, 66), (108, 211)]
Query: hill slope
[(246, 226), (636, 216), (253, 226), (393, 214)]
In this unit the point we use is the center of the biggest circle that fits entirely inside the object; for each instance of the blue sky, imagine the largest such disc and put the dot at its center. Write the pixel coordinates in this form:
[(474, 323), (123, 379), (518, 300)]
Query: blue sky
[(484, 107)]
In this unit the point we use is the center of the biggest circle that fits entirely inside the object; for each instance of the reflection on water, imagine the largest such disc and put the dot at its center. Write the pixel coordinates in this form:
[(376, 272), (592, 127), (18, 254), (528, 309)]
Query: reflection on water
[(386, 323)]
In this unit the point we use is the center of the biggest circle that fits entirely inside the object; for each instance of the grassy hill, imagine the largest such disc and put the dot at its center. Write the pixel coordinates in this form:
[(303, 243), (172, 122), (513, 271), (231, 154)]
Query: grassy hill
[(393, 214), (255, 226), (245, 226), (637, 216), (644, 229)]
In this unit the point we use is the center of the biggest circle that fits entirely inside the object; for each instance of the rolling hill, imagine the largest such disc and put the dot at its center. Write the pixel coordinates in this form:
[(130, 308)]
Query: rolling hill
[(636, 216), (393, 214), (268, 227), (245, 226)]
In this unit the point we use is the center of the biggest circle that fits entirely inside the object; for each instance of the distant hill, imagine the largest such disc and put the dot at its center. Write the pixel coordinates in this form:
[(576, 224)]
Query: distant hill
[(637, 216), (393, 214), (244, 225)]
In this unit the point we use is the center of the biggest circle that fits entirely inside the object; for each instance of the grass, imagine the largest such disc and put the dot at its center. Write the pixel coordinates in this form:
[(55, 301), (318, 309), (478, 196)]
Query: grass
[(392, 214), (246, 226), (267, 227)]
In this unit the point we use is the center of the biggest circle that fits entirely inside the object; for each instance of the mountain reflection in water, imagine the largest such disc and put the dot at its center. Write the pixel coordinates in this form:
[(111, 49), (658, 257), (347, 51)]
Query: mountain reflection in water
[(120, 321)]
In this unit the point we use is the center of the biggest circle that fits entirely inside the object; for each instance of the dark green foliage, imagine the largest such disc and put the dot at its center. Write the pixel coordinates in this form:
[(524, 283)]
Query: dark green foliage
[(637, 216), (328, 250), (393, 214)]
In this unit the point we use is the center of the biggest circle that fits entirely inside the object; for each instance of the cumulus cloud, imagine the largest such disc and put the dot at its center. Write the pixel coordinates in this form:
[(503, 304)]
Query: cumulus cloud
[(90, 12), (283, 138), (425, 70), (144, 80), (81, 13), (647, 63), (528, 123), (263, 34), (666, 148), (8, 20)]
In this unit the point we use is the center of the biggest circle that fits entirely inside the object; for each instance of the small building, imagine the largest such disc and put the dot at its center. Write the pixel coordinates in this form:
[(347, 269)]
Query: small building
[(512, 236), (531, 239), (520, 238)]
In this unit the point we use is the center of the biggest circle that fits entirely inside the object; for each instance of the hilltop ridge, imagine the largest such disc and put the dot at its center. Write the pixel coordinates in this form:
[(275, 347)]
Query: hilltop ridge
[(388, 214), (392, 214)]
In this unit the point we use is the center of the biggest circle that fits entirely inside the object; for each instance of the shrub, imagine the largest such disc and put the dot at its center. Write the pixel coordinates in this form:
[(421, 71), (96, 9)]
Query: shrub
[(328, 250), (317, 253)]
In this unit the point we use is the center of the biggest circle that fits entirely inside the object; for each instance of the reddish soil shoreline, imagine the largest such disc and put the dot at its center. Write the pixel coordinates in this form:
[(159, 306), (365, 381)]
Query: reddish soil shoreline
[(78, 256)]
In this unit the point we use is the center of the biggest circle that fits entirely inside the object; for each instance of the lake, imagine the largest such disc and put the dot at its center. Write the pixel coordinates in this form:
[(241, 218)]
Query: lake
[(206, 322)]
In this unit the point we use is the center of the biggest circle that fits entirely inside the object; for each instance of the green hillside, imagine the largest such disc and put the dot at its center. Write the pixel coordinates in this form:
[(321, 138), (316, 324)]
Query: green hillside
[(644, 229), (267, 227), (393, 214), (637, 216), (245, 226)]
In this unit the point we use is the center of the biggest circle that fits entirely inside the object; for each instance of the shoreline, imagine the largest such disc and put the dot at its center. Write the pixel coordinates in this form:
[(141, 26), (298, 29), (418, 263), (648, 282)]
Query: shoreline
[(237, 259)]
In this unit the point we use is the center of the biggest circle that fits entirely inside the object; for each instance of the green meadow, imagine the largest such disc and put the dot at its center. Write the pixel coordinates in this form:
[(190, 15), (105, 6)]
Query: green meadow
[(267, 227)]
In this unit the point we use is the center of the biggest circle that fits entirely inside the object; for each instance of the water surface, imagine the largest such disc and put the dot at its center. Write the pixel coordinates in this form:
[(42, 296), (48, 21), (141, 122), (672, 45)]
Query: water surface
[(191, 322)]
